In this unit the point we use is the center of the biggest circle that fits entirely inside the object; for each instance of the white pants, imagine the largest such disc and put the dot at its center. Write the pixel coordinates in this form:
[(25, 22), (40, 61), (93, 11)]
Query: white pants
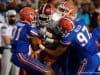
[(6, 65)]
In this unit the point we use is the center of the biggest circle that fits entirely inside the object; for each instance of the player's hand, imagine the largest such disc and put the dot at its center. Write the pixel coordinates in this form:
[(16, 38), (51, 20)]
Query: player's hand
[(43, 30)]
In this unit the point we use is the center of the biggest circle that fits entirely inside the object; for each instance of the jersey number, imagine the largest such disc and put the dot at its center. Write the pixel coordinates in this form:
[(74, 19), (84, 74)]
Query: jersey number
[(82, 37), (16, 32)]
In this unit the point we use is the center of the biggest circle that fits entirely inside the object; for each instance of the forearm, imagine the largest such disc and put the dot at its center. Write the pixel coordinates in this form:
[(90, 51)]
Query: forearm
[(7, 40), (57, 52)]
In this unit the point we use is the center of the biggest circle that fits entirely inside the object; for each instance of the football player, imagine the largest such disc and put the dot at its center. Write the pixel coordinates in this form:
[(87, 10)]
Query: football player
[(75, 33), (6, 32), (25, 27), (48, 19)]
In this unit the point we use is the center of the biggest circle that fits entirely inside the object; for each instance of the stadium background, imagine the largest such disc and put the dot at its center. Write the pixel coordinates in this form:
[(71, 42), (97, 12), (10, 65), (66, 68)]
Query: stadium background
[(88, 8)]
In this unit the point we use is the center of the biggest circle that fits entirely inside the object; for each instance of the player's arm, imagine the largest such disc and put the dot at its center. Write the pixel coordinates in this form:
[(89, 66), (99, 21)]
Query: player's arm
[(65, 39), (58, 51), (7, 39), (37, 37), (36, 43), (5, 35)]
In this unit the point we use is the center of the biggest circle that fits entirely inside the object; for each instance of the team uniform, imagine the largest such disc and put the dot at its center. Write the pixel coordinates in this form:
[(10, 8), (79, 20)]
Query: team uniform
[(7, 65), (48, 20), (1, 39), (96, 34), (6, 31), (20, 48), (81, 38)]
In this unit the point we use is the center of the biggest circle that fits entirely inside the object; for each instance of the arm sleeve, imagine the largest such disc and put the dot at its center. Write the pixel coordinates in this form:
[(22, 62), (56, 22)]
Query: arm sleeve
[(34, 31), (4, 31), (65, 40)]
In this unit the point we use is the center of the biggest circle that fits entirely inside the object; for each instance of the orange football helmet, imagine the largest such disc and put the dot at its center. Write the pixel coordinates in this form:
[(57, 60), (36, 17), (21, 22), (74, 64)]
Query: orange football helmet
[(66, 25), (68, 9), (27, 14)]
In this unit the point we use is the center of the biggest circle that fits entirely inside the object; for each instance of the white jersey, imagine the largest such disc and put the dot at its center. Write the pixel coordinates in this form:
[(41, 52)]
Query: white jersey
[(2, 18), (7, 65), (7, 30), (1, 39)]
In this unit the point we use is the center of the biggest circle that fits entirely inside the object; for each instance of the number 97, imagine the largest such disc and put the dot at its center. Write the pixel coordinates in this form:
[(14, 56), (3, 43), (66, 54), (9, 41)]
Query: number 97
[(82, 39)]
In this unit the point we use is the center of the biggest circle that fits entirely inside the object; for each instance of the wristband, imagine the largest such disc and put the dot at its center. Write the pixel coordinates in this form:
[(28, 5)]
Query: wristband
[(49, 34), (49, 40), (41, 47)]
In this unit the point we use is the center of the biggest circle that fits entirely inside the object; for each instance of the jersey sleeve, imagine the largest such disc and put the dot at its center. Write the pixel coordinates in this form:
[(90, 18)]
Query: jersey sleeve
[(4, 31), (65, 39), (34, 31)]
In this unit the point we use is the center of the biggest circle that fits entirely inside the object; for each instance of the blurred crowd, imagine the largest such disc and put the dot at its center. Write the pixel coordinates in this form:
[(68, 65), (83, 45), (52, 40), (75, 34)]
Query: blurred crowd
[(89, 10)]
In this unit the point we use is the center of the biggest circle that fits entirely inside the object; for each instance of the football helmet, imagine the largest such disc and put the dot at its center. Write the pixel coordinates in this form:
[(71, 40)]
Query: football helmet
[(45, 13), (66, 25), (27, 14), (68, 9)]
